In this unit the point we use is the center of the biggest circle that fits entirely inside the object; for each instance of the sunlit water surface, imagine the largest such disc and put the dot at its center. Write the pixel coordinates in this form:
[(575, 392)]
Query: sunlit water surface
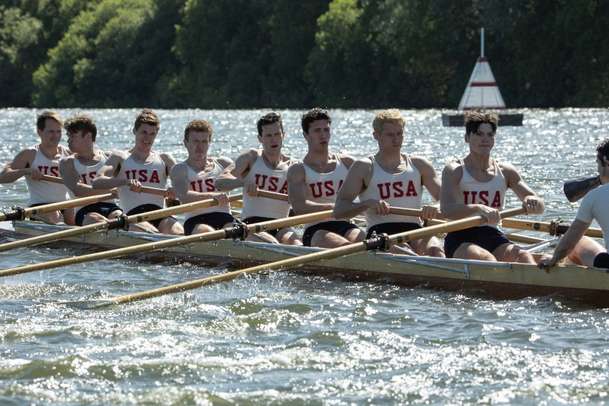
[(288, 338)]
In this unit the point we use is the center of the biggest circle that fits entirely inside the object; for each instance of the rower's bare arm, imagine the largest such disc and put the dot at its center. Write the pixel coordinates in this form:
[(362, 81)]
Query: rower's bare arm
[(347, 160), (355, 182), (20, 166), (70, 179), (108, 175), (169, 162), (567, 242), (179, 180), (297, 192), (429, 177), (233, 178), (451, 204), (532, 203)]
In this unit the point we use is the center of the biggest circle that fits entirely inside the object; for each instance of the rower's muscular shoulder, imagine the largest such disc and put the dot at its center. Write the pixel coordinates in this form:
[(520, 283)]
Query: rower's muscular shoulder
[(225, 162), (346, 159), (168, 160), (296, 172), (510, 172), (453, 170), (179, 170), (421, 163), (24, 158)]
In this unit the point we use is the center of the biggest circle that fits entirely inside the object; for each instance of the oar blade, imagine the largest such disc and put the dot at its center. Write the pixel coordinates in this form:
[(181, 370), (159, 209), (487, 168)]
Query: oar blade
[(94, 304), (576, 189)]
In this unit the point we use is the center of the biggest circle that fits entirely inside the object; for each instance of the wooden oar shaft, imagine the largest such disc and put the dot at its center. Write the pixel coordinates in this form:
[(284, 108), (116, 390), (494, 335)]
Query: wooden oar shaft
[(547, 227), (278, 265), (308, 258), (158, 245), (272, 195), (449, 226), (415, 212), (59, 235), (133, 219), (181, 209), (67, 204), (144, 189)]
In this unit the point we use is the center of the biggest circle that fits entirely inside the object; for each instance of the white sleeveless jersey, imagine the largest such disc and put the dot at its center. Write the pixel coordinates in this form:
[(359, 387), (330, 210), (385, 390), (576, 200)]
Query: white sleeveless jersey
[(491, 193), (46, 192), (152, 173), (323, 187), (402, 189), (86, 174), (269, 179), (205, 182)]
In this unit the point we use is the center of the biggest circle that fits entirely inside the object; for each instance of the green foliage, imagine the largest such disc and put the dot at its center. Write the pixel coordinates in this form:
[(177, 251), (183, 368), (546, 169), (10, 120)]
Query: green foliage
[(110, 56), (282, 53), (19, 34)]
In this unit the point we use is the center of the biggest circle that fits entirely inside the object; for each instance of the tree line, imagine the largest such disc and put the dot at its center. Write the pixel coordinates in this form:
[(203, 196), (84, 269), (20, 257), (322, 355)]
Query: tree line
[(285, 53)]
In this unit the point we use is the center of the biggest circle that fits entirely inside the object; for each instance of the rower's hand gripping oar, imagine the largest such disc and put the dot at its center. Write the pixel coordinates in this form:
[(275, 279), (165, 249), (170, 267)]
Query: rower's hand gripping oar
[(239, 230), (143, 189), (23, 213), (19, 213), (576, 189), (123, 222), (378, 242), (117, 223)]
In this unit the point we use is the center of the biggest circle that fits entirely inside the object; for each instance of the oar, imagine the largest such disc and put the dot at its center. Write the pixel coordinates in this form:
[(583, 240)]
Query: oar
[(415, 212), (23, 213), (144, 189), (552, 228), (576, 189), (121, 222), (239, 230), (370, 244)]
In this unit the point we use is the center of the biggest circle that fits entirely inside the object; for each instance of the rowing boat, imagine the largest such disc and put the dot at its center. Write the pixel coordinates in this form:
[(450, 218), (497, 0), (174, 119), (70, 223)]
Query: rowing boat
[(498, 279)]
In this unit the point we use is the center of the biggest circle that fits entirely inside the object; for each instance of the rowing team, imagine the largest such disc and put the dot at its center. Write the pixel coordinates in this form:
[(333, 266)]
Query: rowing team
[(323, 180)]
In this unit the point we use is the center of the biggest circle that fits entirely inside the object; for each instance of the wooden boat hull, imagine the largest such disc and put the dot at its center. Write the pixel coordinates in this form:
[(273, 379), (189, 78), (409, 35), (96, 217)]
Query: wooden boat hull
[(498, 279)]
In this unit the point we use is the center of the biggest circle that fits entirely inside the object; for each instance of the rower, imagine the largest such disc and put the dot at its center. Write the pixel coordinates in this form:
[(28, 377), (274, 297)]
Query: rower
[(194, 179), (39, 160), (391, 179), (476, 185), (264, 169), (79, 170), (313, 184), (583, 250), (141, 166)]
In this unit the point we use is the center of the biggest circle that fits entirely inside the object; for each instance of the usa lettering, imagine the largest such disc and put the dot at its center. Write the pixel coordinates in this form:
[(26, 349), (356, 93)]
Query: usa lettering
[(324, 189), (270, 183), (389, 190), (482, 197), (143, 175), (87, 178), (49, 170), (203, 185)]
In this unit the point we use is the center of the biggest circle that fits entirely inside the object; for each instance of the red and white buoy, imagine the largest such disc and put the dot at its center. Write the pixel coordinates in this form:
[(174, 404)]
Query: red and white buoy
[(482, 93)]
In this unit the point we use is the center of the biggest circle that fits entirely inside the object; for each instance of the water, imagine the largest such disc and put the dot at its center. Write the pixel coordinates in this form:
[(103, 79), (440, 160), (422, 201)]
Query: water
[(292, 339)]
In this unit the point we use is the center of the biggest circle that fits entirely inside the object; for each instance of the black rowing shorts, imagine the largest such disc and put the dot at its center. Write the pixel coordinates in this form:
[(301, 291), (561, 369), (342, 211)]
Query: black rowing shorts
[(339, 227), (103, 208), (486, 237), (392, 228), (145, 208), (216, 219)]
